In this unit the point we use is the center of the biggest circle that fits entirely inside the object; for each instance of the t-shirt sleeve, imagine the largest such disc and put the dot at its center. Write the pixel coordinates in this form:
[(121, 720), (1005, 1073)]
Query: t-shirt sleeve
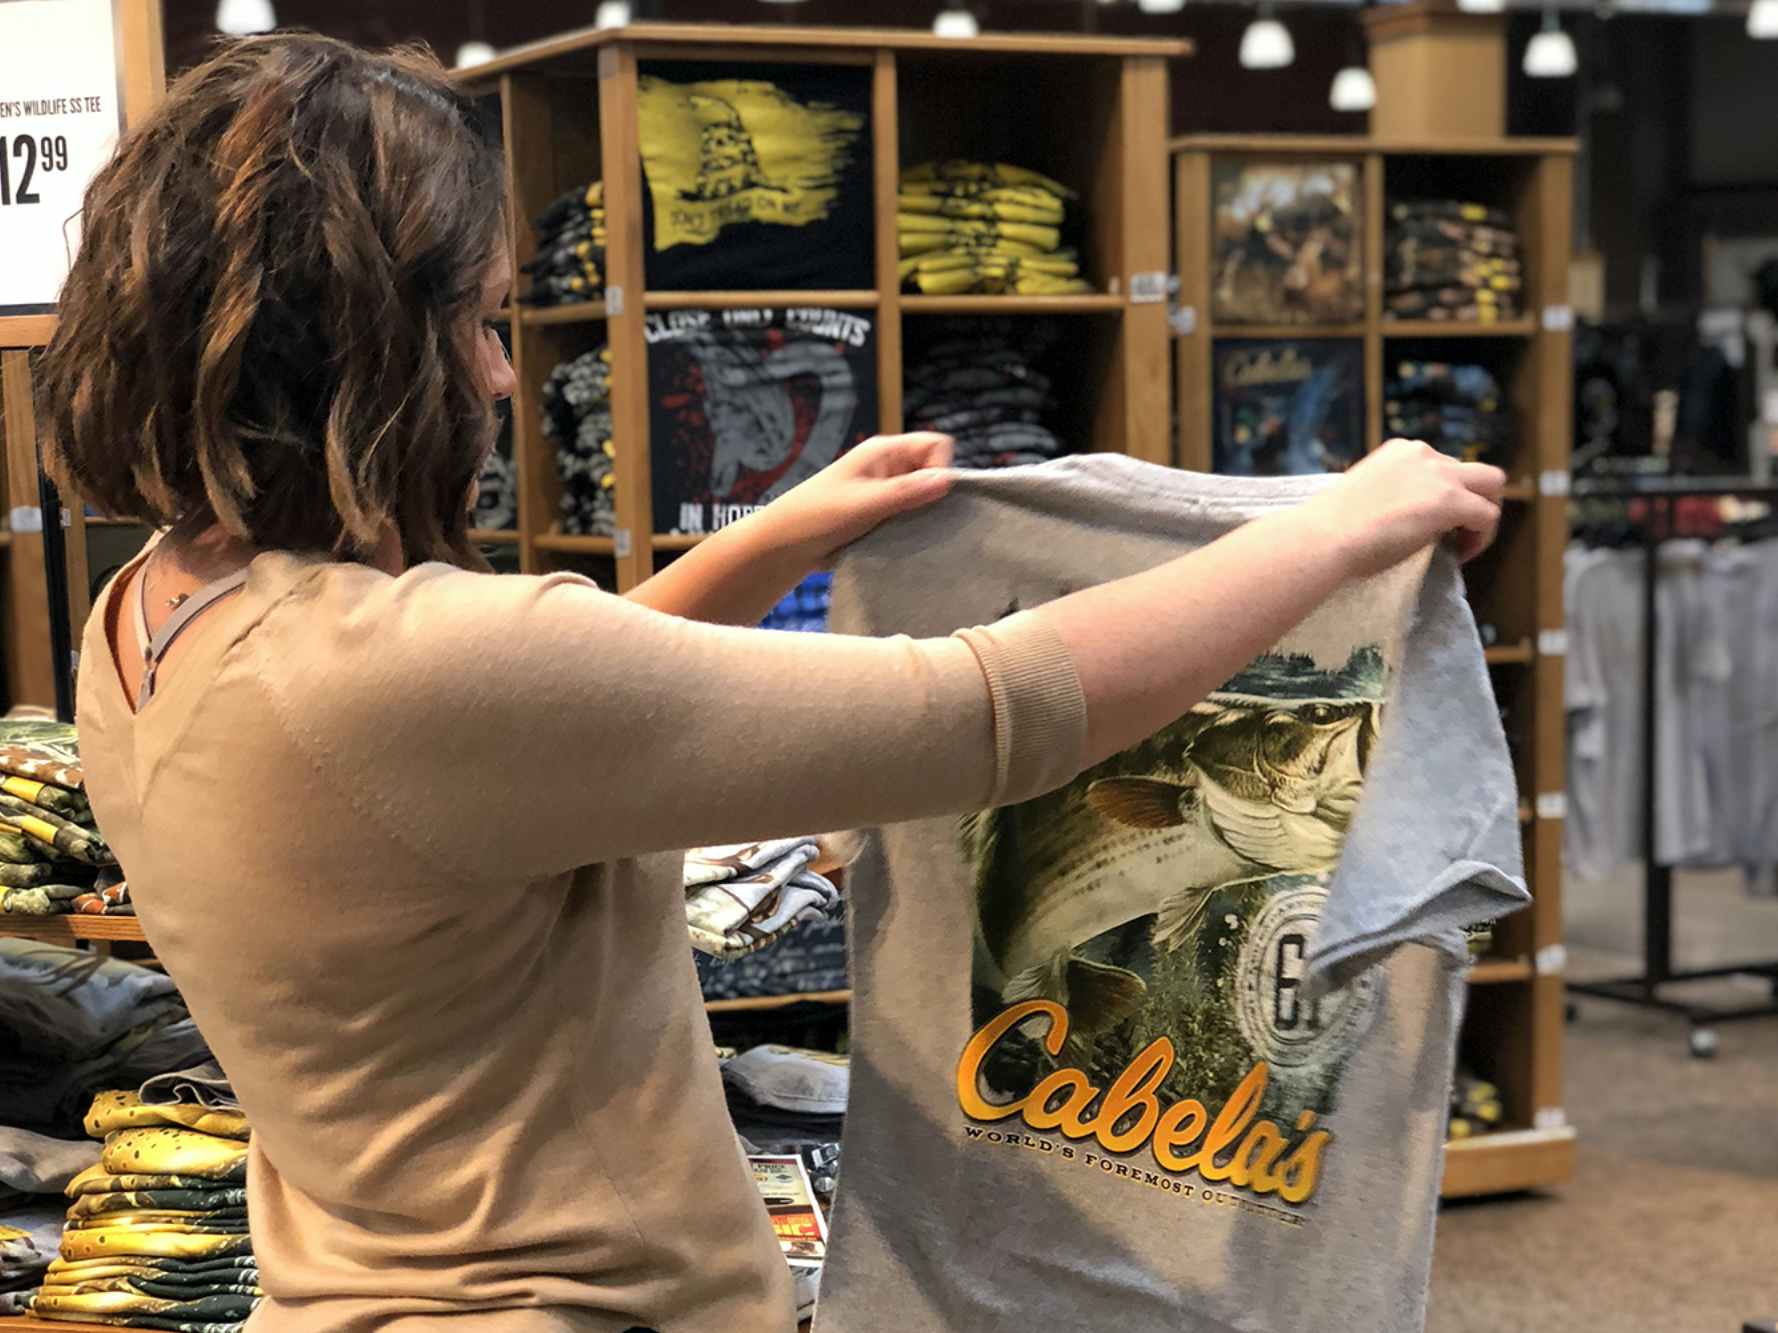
[(1435, 844), (509, 727)]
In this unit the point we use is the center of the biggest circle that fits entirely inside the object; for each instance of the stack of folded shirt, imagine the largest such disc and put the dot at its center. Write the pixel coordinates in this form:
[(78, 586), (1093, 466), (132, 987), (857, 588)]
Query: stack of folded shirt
[(577, 416), (1476, 1107), (739, 899), (156, 1235), (76, 1022), (569, 264), (52, 858), (1449, 260), (804, 607), (985, 227), (806, 960), (29, 1235), (1459, 409), (977, 383), (497, 495), (784, 1099)]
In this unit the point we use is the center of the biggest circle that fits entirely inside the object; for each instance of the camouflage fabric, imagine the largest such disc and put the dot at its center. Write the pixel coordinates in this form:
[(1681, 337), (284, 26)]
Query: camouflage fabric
[(126, 1110), (147, 1241), (52, 830), (175, 1151), (97, 1180), (15, 876), (41, 899), (737, 901), (108, 1300), (59, 764), (196, 1203), (61, 801), (16, 848)]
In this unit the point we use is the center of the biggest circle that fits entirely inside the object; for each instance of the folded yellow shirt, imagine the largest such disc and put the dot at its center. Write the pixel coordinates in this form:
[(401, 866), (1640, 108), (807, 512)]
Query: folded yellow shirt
[(107, 1243), (998, 173), (126, 1110), (180, 1152), (926, 242), (986, 191), (973, 208), (1045, 238)]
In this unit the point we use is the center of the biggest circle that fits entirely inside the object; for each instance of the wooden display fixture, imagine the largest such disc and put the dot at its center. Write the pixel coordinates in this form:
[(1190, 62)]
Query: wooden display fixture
[(1087, 111), (1513, 1035)]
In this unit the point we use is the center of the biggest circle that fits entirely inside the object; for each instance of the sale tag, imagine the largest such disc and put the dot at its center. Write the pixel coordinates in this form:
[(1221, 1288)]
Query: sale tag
[(59, 118)]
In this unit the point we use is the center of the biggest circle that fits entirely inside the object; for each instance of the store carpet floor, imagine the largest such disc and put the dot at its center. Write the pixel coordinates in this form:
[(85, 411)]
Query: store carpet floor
[(1670, 1224)]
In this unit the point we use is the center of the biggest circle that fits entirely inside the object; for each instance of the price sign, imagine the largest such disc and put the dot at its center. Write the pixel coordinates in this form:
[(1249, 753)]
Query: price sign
[(59, 118)]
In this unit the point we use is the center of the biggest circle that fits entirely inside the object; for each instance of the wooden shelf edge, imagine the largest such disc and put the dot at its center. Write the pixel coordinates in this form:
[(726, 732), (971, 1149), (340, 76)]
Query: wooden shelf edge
[(678, 541), (759, 1002), (565, 543), (105, 521), (1322, 144), (36, 1325), (1501, 971), (1092, 303), (493, 537), (837, 300), (1521, 653), (1279, 331), (481, 78), (1508, 1161), (546, 316), (1526, 813), (67, 929), (1435, 328), (1519, 492)]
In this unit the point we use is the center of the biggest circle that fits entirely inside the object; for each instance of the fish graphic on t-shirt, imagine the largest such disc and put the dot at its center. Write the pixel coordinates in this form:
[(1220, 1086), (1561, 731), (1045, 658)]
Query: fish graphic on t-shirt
[(1259, 788)]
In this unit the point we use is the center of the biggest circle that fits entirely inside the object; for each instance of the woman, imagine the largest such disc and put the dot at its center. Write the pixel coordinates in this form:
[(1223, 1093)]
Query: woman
[(404, 832)]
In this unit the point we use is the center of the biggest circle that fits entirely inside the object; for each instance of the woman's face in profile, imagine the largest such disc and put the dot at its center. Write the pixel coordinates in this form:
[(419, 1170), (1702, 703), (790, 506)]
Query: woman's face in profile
[(494, 367)]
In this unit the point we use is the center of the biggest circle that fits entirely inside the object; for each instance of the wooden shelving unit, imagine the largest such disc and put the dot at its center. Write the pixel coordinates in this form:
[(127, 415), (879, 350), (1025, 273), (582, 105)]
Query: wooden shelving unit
[(1089, 111), (1513, 1033)]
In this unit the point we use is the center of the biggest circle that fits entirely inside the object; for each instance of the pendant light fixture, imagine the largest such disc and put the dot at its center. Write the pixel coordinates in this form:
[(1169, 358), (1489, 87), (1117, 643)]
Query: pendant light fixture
[(1266, 44), (612, 14), (1762, 19), (1353, 90), (471, 54), (1550, 53), (1482, 6), (957, 23), (239, 18), (1160, 6)]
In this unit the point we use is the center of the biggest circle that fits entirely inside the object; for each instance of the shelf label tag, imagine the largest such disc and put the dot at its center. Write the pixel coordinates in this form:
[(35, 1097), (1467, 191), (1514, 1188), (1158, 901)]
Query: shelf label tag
[(1184, 320), (614, 300), (1558, 318), (1551, 960), (26, 518), (1549, 1117), (1552, 805), (1149, 288), (1552, 643), (620, 543), (1553, 482)]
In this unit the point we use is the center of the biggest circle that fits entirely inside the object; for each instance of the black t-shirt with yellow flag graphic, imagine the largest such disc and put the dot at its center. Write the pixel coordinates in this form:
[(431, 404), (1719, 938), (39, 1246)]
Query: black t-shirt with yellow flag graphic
[(756, 178)]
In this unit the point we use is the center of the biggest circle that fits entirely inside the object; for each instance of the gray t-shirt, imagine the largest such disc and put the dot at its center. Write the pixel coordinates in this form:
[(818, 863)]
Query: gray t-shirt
[(1145, 1053)]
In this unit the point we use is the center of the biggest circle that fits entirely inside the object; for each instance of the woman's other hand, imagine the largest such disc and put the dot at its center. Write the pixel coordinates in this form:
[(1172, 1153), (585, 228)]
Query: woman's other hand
[(1404, 496), (876, 480)]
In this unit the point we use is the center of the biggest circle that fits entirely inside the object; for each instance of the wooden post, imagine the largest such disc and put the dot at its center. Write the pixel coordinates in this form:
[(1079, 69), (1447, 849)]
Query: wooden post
[(1440, 73)]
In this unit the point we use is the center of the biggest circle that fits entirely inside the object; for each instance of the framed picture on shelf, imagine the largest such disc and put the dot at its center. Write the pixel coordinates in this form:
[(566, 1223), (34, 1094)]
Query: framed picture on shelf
[(1288, 407), (1287, 243)]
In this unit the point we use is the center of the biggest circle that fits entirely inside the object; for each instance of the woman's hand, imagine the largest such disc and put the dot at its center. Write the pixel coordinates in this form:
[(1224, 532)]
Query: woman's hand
[(876, 480), (1405, 496)]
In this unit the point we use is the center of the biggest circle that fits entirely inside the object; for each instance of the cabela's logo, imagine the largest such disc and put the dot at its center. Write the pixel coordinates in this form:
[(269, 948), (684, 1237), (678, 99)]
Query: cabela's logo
[(1236, 1146)]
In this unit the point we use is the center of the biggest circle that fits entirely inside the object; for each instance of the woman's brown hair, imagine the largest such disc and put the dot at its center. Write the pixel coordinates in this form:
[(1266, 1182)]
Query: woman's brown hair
[(271, 320)]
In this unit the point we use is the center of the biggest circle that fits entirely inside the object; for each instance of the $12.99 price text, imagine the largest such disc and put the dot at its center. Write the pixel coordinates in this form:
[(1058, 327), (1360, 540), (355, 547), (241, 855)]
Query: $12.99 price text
[(22, 157)]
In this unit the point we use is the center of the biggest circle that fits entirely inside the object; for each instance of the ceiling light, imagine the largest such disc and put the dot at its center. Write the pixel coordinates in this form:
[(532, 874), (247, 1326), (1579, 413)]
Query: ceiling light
[(1550, 54), (1481, 6), (1266, 44), (958, 23), (1160, 6), (238, 18), (471, 54), (1762, 19), (612, 14), (1353, 90)]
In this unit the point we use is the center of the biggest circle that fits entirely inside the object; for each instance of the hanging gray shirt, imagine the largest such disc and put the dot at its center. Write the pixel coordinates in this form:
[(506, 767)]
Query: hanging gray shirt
[(1147, 1053)]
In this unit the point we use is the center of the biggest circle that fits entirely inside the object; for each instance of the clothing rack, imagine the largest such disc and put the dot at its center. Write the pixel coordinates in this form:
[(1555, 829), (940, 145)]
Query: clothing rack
[(1657, 895)]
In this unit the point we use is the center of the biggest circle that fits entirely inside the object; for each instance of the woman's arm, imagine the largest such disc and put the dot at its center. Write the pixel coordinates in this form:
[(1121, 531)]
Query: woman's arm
[(737, 574), (520, 727)]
